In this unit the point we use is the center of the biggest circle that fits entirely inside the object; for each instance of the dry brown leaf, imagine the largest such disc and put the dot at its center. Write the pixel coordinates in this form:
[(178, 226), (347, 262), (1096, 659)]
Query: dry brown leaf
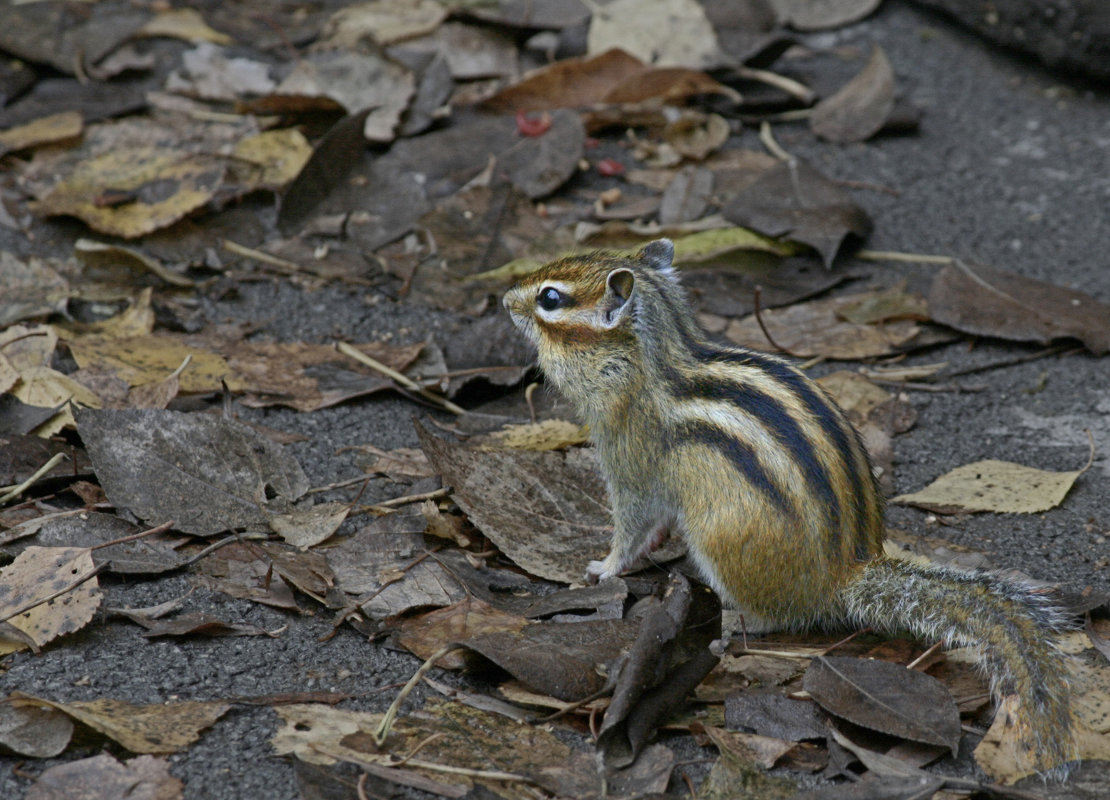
[(305, 527), (183, 23), (424, 634), (992, 302), (545, 510), (386, 21), (614, 76), (34, 731), (663, 32), (102, 777), (861, 107), (159, 728), (816, 329)]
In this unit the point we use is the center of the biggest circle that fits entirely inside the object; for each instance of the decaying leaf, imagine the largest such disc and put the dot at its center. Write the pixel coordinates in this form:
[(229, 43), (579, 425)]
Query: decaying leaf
[(205, 473), (862, 106), (664, 33), (304, 527), (34, 731), (885, 697), (816, 328), (992, 302), (35, 575), (424, 634), (816, 15), (999, 486), (102, 777), (159, 728), (669, 658), (794, 199), (614, 76), (551, 434), (387, 567), (508, 493), (159, 187), (46, 130)]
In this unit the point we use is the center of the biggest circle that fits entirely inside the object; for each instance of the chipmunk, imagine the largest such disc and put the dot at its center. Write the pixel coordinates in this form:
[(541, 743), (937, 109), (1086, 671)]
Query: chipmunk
[(768, 484)]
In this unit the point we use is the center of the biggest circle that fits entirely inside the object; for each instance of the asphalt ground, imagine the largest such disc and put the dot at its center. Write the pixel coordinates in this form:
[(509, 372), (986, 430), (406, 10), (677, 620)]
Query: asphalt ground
[(1011, 167)]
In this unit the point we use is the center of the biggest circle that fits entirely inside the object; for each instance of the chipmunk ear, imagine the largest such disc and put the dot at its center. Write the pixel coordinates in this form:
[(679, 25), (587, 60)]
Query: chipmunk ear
[(618, 290), (659, 255)]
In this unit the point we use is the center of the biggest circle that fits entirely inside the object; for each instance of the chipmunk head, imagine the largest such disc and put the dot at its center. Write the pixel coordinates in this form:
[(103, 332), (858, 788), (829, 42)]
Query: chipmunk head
[(589, 315), (579, 301)]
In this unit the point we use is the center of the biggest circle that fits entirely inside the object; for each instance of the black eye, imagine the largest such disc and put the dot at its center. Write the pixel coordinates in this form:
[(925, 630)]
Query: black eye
[(551, 298)]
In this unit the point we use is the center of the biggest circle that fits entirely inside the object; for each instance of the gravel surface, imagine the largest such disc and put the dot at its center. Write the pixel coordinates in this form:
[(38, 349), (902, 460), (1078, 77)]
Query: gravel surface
[(1011, 168)]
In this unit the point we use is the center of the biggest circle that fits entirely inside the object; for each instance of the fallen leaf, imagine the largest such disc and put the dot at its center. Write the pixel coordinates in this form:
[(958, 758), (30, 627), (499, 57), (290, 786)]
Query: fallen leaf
[(816, 15), (90, 529), (53, 129), (508, 493), (162, 185), (271, 159), (775, 716), (762, 750), (385, 565), (357, 82), (34, 731), (794, 199), (551, 434), (665, 32), (992, 302), (102, 777), (885, 697), (538, 165), (35, 575), (159, 728), (815, 328), (861, 107), (305, 527), (197, 624), (182, 23), (29, 288), (687, 196), (386, 21), (999, 486), (614, 76), (205, 473), (424, 634)]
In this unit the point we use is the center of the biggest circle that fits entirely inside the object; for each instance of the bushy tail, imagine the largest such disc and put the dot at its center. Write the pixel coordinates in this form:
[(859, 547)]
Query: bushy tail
[(1012, 625)]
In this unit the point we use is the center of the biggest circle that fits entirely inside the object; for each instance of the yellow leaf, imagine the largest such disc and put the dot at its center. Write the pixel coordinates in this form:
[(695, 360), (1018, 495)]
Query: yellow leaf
[(1000, 486), (157, 186), (146, 359), (44, 130), (551, 434), (183, 23), (144, 729), (277, 157), (36, 574)]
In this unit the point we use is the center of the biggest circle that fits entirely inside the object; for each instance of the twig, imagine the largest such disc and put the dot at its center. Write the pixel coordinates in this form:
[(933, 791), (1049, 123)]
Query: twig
[(407, 499), (404, 380), (871, 187), (15, 491), (340, 485), (258, 255), (759, 319), (1010, 362), (773, 147), (34, 603), (165, 526), (382, 733), (932, 387), (913, 664), (893, 255), (796, 90), (235, 537)]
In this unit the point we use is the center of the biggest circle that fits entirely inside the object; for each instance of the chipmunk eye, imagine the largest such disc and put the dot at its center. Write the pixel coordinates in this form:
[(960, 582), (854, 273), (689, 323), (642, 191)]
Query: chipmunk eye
[(551, 298)]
